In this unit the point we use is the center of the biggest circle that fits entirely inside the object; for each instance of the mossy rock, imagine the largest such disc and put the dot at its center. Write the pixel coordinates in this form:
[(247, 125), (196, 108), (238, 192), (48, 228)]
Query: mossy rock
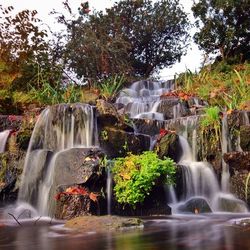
[(103, 223), (166, 146)]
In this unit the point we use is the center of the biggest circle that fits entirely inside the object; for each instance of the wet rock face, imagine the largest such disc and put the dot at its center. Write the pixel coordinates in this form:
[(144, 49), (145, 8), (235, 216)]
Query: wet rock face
[(116, 142), (245, 137)]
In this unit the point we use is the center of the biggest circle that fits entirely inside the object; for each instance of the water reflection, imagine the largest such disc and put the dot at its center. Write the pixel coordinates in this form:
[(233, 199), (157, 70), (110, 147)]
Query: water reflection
[(213, 232)]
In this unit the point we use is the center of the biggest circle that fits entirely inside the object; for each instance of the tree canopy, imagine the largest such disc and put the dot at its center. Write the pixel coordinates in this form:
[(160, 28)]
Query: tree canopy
[(224, 27), (136, 37)]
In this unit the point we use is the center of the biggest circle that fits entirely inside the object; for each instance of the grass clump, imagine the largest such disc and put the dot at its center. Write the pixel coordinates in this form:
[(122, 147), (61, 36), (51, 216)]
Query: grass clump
[(135, 176)]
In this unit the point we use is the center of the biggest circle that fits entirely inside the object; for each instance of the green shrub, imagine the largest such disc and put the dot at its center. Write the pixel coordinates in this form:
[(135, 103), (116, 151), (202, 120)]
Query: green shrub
[(135, 176)]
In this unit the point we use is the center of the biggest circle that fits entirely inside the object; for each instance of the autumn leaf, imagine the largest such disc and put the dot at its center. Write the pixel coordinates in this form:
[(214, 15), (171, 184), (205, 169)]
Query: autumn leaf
[(93, 196)]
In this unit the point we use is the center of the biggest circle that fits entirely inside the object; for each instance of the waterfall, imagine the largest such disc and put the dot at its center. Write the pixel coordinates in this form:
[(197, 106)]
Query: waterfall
[(109, 191), (3, 140), (142, 99), (59, 128), (225, 147)]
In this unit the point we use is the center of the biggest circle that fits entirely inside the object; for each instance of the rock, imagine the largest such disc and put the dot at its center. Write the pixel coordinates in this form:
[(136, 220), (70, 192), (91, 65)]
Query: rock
[(231, 204), (239, 187), (195, 205), (103, 223), (117, 142), (166, 145), (173, 107), (77, 166), (245, 137), (154, 204), (238, 161), (11, 165), (108, 115), (69, 205), (11, 122)]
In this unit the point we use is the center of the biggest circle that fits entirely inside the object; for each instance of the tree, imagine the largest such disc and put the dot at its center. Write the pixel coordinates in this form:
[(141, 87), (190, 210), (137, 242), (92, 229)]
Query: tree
[(21, 41), (138, 37), (224, 27)]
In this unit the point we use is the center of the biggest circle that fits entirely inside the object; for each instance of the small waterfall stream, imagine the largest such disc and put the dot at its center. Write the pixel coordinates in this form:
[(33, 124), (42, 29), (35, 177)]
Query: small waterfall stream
[(3, 139), (142, 99), (58, 129)]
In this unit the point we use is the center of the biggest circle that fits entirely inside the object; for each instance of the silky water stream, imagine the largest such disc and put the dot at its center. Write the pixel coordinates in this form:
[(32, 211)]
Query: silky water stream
[(77, 128)]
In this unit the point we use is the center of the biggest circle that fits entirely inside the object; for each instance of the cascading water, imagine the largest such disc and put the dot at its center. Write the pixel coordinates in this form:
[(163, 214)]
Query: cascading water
[(142, 99), (109, 191), (198, 177), (3, 140), (59, 128)]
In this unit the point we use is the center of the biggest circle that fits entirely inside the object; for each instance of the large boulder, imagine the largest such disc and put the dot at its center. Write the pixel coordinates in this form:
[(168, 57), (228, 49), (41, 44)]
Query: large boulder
[(195, 205), (117, 142), (77, 165), (81, 166)]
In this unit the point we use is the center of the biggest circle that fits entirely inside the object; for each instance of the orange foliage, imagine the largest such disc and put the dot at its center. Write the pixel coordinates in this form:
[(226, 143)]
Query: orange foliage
[(177, 93), (77, 191)]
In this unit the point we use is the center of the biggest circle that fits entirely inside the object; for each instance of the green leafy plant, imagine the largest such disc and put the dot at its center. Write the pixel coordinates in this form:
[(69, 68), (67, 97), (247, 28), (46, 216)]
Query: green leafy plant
[(110, 87), (135, 176), (211, 121)]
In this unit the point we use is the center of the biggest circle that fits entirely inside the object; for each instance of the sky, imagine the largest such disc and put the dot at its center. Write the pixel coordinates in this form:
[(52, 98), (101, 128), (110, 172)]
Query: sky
[(191, 61)]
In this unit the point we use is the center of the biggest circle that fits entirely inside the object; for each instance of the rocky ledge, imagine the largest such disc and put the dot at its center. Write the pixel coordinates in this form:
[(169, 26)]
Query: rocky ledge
[(103, 223)]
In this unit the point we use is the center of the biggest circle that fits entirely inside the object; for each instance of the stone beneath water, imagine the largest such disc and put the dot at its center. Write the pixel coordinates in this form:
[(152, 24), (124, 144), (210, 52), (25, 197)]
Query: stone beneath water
[(103, 223), (231, 204), (195, 205)]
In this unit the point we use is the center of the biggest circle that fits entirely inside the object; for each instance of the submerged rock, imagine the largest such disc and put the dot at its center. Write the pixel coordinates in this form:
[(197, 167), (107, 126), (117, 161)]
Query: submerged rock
[(103, 223), (195, 205), (231, 204)]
